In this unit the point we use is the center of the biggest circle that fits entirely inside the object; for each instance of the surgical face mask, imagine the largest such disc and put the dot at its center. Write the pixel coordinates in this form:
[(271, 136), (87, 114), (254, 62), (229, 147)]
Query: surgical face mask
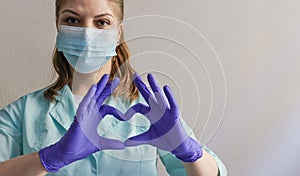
[(86, 49)]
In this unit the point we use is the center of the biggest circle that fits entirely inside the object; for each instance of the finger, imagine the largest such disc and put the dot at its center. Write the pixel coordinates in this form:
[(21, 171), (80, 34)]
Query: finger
[(84, 104), (153, 84), (143, 138), (88, 97), (107, 91), (110, 88), (142, 87), (137, 108), (101, 84), (170, 97), (112, 144), (161, 99), (109, 110)]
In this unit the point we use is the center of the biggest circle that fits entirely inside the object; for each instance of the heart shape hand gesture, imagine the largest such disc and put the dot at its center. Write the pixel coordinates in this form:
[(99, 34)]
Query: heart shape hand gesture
[(81, 140)]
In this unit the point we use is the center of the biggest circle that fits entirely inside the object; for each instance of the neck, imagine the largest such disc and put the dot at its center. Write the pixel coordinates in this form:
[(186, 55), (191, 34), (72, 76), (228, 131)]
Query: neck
[(82, 82)]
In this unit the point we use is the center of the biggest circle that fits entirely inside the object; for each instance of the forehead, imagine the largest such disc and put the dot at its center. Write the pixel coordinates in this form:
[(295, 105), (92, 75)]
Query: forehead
[(89, 7)]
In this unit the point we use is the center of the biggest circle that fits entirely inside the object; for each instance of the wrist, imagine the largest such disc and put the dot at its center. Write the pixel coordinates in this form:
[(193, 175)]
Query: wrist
[(188, 151), (50, 160)]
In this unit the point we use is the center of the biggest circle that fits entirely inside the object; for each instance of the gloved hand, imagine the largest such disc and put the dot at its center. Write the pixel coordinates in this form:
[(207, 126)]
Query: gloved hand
[(82, 139), (166, 131)]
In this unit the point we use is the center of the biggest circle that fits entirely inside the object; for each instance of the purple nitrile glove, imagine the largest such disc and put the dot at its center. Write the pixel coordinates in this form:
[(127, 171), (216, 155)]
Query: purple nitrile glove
[(82, 139), (166, 131)]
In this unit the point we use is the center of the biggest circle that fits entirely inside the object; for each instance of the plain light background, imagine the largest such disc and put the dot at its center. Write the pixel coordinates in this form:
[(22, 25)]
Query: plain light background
[(233, 65)]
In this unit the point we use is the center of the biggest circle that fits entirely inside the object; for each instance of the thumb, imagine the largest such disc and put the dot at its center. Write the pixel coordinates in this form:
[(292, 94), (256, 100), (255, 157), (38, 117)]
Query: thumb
[(137, 108), (143, 138), (109, 110)]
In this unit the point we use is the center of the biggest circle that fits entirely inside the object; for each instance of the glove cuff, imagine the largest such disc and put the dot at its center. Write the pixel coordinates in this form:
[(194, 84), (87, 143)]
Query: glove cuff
[(188, 151), (50, 164)]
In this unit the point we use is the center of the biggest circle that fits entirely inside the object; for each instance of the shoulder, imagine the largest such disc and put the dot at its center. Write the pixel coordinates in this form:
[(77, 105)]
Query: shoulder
[(32, 99), (38, 95), (12, 114), (20, 102)]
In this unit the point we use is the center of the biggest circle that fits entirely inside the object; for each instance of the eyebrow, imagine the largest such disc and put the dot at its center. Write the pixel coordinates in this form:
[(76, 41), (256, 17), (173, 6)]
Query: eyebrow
[(97, 16)]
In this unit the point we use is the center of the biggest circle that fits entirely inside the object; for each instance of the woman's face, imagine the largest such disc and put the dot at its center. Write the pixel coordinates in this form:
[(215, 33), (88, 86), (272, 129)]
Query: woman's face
[(98, 14)]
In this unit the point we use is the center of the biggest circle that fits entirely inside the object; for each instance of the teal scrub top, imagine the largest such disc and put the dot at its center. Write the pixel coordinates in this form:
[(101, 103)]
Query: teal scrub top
[(32, 123)]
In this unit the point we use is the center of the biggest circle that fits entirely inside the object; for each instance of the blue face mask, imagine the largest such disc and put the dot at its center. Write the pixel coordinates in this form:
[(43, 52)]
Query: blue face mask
[(86, 49)]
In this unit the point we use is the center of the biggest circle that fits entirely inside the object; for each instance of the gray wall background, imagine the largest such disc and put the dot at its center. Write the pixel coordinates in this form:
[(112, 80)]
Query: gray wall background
[(233, 65)]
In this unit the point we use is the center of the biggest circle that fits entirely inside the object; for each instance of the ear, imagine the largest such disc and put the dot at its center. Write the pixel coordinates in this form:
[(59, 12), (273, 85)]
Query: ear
[(121, 27)]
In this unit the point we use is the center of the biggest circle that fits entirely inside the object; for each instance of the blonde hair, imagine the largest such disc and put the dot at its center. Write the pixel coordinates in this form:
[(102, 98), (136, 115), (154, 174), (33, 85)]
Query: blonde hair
[(120, 68)]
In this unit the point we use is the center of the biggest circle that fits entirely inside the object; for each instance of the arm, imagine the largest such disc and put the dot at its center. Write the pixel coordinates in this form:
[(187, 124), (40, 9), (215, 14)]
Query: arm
[(208, 164), (11, 143), (204, 166), (26, 165), (208, 161)]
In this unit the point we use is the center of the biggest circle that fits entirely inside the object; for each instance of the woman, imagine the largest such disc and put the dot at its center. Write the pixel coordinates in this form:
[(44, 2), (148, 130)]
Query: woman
[(90, 49)]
